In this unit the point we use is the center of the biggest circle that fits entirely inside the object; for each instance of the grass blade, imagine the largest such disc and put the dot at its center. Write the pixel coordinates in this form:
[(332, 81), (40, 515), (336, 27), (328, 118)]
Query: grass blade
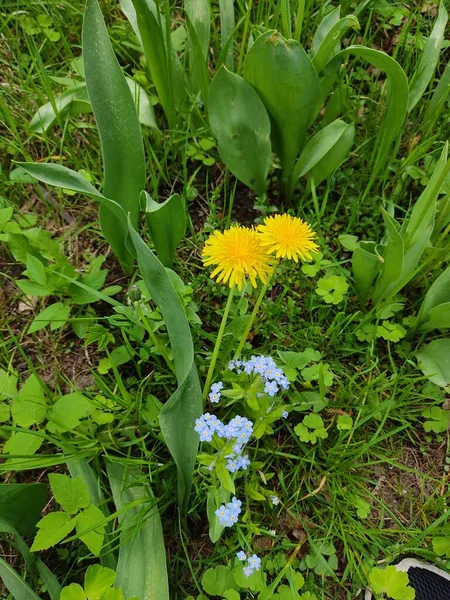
[(119, 130)]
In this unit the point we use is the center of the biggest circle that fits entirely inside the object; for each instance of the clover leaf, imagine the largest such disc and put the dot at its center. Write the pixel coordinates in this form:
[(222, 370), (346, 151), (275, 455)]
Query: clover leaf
[(311, 429), (332, 288)]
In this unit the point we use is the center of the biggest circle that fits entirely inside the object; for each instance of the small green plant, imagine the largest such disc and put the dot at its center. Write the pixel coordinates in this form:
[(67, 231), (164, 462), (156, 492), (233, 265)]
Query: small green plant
[(78, 513), (391, 583)]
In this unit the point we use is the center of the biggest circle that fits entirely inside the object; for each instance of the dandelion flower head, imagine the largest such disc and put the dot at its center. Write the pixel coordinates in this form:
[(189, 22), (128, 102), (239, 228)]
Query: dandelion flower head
[(237, 253), (287, 237)]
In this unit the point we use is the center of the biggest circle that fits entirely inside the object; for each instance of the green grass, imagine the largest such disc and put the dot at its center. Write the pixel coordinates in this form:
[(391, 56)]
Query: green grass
[(385, 460)]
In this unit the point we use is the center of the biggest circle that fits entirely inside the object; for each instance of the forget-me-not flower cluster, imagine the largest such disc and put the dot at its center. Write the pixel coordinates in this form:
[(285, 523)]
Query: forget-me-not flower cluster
[(228, 513), (239, 429), (253, 562), (273, 377), (215, 394)]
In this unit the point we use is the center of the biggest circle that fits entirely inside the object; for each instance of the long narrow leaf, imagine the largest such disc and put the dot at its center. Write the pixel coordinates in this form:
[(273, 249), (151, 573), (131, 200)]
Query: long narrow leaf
[(119, 130), (330, 44), (178, 414), (15, 584), (226, 30), (141, 569), (429, 59), (396, 104)]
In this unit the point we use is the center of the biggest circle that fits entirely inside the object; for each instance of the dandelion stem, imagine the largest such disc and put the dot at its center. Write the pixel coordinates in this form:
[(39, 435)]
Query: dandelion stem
[(215, 353), (244, 337)]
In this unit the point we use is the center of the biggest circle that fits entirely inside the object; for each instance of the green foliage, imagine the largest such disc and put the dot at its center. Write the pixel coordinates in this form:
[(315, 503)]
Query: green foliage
[(118, 126), (438, 419), (73, 496), (98, 582), (311, 429), (242, 131), (332, 288), (393, 583), (434, 361)]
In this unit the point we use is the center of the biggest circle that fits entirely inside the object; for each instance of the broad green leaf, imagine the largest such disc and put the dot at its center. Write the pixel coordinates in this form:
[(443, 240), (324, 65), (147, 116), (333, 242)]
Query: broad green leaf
[(396, 104), (56, 315), (86, 519), (74, 591), (185, 405), (67, 411), (141, 569), (424, 71), (330, 44), (366, 264), (318, 153), (392, 264), (284, 77), (167, 224), (437, 297), (36, 270), (29, 406), (119, 131), (21, 505), (439, 318), (15, 584), (216, 581), (97, 580), (53, 528), (74, 101), (434, 361), (241, 125), (22, 444), (70, 493)]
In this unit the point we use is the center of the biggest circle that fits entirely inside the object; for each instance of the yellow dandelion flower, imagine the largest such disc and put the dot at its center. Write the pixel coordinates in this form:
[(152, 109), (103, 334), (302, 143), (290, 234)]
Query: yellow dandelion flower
[(287, 237), (238, 253)]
